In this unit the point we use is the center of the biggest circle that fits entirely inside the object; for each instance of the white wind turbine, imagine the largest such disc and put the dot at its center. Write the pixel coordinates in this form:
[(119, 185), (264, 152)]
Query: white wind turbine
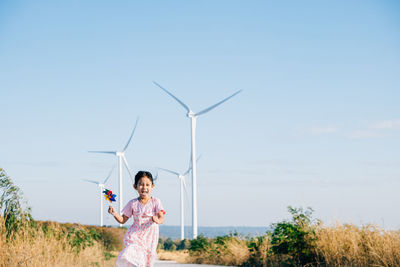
[(101, 185), (193, 117), (181, 177), (121, 158)]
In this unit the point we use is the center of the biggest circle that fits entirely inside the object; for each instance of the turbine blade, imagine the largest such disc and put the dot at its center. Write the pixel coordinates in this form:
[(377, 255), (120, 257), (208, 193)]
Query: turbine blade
[(216, 105), (169, 171), (130, 138), (155, 179), (184, 182), (91, 181), (190, 165), (187, 171), (109, 175), (184, 188), (179, 101), (104, 152), (127, 167)]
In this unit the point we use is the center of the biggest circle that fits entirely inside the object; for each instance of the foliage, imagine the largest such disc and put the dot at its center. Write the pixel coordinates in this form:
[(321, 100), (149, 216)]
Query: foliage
[(258, 248), (295, 239), (11, 199), (171, 245), (82, 238), (112, 237), (108, 255), (199, 244), (229, 249), (183, 244)]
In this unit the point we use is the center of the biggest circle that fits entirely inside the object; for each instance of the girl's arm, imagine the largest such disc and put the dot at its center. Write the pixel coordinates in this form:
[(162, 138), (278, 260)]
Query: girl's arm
[(121, 219), (159, 217)]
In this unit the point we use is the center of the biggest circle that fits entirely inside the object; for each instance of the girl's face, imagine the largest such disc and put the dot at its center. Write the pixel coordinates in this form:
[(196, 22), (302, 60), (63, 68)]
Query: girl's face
[(144, 187)]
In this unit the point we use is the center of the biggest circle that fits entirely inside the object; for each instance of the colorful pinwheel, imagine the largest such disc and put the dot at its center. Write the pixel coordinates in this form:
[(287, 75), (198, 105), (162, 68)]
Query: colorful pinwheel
[(108, 194)]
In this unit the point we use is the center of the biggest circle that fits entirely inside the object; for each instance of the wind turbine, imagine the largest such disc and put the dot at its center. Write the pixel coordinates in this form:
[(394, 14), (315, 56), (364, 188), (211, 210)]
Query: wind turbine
[(121, 158), (193, 117), (101, 185), (181, 177)]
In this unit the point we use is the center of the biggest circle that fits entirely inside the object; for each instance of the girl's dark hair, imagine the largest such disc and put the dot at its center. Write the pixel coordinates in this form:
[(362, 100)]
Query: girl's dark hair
[(142, 174)]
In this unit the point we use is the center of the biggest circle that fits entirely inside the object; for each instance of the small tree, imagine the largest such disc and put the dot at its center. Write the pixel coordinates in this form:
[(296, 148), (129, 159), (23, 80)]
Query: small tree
[(295, 239), (11, 207)]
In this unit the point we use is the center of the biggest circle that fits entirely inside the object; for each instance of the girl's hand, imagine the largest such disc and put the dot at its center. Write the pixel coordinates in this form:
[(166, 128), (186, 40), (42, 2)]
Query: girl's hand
[(159, 217), (111, 210)]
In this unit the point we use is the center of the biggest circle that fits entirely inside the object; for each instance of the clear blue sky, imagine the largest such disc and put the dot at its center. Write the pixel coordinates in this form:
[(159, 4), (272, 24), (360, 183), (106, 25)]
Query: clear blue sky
[(317, 123)]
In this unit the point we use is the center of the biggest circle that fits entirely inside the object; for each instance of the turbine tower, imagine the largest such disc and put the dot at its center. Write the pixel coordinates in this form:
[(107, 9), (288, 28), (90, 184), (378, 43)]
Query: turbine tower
[(121, 158), (193, 117), (101, 185), (181, 177)]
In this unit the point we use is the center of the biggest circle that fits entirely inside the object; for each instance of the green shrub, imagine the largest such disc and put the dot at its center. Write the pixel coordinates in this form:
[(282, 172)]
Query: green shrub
[(169, 244), (199, 244), (294, 240), (183, 244), (11, 205)]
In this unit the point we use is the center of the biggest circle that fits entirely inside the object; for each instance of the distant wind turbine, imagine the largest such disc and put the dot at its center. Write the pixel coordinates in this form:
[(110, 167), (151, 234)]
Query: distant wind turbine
[(181, 177), (193, 116), (101, 185), (121, 158)]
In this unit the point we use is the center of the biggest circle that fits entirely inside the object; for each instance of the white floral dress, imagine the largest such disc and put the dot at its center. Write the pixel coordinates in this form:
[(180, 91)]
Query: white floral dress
[(141, 239)]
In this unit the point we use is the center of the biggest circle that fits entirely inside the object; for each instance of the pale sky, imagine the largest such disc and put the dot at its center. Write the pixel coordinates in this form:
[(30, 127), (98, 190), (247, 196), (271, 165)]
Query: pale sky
[(317, 123)]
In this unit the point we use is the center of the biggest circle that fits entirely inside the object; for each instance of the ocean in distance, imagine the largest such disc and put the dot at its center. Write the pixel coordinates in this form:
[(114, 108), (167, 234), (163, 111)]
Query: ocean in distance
[(174, 232)]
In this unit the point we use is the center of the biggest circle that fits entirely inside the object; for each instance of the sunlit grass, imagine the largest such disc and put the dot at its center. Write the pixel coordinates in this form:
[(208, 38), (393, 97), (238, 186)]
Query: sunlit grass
[(32, 246)]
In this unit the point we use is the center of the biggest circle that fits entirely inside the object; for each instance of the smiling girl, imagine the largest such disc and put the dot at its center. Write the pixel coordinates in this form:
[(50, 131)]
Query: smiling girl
[(141, 238)]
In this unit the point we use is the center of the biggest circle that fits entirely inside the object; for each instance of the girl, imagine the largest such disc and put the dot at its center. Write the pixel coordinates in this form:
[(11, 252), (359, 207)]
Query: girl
[(141, 238)]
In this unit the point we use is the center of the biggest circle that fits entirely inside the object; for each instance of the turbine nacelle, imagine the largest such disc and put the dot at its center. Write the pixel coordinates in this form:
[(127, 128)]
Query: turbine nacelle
[(191, 114), (120, 154)]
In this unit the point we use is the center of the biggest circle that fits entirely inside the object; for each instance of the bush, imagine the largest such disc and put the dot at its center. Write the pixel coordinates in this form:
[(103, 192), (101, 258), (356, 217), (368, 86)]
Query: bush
[(14, 214), (199, 244), (222, 250), (294, 241), (183, 244)]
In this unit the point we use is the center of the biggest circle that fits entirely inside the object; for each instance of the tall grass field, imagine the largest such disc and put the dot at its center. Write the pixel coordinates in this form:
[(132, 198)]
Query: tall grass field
[(300, 241)]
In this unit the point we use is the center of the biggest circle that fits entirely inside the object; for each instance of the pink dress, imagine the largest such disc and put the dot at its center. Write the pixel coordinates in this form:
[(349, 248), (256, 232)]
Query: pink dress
[(141, 239)]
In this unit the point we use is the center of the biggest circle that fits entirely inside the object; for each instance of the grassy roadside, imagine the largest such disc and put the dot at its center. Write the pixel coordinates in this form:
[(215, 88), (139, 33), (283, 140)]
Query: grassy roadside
[(26, 242), (302, 241)]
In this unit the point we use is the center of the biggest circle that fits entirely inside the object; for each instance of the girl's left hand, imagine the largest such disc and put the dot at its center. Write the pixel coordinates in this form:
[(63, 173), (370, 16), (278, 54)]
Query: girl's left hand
[(156, 220), (159, 218)]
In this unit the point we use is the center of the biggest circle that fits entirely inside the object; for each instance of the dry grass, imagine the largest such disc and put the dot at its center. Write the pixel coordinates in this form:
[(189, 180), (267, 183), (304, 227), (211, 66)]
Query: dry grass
[(349, 245), (338, 245), (34, 247), (181, 256), (232, 251)]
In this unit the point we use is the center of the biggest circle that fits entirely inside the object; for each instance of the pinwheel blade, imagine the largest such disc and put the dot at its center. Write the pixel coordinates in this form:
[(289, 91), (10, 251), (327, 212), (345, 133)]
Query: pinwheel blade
[(177, 99), (216, 105), (91, 181), (130, 138), (169, 171), (109, 175), (127, 167)]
